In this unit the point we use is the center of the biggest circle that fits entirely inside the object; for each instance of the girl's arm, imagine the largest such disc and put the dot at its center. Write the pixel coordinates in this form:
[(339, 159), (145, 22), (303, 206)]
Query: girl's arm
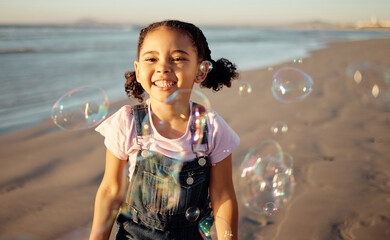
[(108, 197), (223, 198)]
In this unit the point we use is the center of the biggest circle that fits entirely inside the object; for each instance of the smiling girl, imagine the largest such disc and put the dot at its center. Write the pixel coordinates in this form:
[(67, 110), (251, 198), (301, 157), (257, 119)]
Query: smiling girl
[(157, 200)]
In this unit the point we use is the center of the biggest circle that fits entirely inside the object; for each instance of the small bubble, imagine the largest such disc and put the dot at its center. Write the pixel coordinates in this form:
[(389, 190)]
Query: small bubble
[(192, 214), (206, 66), (244, 89), (298, 60), (279, 128)]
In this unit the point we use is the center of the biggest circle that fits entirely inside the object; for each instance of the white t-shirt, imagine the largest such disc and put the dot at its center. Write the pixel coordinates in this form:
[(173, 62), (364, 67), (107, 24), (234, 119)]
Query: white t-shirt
[(120, 138)]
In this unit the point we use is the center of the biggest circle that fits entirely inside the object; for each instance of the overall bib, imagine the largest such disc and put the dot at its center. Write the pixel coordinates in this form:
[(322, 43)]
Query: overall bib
[(166, 197)]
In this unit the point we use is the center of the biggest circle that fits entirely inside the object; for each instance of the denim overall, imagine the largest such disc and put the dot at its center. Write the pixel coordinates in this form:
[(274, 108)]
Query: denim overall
[(163, 190)]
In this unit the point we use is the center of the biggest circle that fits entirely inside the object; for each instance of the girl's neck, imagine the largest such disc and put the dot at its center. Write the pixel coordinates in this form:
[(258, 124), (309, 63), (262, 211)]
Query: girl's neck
[(171, 120)]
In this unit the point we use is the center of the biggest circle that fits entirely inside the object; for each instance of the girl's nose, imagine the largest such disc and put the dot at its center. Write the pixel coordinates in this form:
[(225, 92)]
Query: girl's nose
[(163, 67)]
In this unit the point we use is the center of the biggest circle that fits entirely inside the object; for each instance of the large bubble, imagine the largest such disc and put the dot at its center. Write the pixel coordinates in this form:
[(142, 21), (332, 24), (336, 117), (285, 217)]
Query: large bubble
[(188, 106), (208, 228), (266, 179), (370, 82), (81, 108), (291, 84)]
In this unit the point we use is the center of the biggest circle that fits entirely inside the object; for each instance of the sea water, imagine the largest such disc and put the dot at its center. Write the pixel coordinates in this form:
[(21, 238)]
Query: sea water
[(39, 64)]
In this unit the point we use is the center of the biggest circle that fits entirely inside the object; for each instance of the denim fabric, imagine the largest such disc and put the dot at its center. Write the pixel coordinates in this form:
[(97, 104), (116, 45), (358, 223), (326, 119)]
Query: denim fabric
[(130, 230), (160, 192)]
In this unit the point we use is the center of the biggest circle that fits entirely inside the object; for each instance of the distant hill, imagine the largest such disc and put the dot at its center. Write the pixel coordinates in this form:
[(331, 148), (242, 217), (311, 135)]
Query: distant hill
[(319, 25)]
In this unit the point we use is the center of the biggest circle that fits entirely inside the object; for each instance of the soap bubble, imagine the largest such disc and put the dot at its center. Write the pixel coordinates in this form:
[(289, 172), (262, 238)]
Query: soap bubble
[(208, 228), (291, 84), (298, 60), (192, 214), (244, 89), (181, 103), (206, 66), (81, 108), (157, 186), (265, 150), (279, 128), (267, 183), (370, 82)]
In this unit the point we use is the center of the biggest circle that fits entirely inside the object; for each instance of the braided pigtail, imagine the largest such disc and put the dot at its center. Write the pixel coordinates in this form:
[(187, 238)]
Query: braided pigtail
[(222, 74), (132, 87)]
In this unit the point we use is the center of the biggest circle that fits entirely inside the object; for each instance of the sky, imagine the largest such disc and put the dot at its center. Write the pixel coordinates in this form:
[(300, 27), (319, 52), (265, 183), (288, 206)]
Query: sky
[(211, 12)]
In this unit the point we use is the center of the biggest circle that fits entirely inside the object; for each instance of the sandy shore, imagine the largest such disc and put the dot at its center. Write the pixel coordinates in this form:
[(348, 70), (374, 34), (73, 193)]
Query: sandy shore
[(340, 146)]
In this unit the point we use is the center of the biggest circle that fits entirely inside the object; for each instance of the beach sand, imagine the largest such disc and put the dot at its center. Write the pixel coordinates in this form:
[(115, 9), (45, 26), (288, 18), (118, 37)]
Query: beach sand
[(340, 146)]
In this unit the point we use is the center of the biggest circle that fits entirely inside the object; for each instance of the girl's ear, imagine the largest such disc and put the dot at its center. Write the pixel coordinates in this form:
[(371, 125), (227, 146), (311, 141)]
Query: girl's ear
[(136, 67), (200, 76)]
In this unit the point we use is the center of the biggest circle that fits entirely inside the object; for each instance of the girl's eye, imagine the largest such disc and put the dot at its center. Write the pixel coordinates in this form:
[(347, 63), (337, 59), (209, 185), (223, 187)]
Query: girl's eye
[(150, 60), (178, 59)]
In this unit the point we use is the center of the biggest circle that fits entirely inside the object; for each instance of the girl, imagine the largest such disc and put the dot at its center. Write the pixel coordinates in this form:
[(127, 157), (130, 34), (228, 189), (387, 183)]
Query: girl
[(159, 196)]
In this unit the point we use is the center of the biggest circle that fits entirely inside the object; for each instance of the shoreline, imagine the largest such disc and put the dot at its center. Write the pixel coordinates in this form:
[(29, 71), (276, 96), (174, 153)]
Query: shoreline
[(339, 146)]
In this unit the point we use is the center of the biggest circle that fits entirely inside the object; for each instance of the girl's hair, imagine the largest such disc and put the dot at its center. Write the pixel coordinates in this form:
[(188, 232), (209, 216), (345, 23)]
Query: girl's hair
[(223, 71)]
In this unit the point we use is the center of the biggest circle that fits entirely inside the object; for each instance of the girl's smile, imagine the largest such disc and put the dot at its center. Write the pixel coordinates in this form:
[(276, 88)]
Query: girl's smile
[(164, 84)]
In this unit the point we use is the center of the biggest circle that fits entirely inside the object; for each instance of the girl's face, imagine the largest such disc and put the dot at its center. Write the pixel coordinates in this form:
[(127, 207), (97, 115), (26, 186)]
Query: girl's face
[(167, 62)]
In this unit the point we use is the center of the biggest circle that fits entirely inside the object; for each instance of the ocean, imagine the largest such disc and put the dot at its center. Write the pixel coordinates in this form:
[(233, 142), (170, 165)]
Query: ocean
[(39, 64)]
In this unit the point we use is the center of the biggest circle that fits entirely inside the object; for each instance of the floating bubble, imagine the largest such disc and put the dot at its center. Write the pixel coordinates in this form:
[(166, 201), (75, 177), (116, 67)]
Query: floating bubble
[(291, 84), (206, 66), (208, 228), (298, 60), (370, 82), (279, 128), (244, 89), (189, 106), (81, 108), (265, 150), (192, 214), (267, 183)]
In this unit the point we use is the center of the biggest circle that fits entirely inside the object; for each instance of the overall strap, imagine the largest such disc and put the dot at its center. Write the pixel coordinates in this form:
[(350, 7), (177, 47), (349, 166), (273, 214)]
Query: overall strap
[(198, 126), (139, 113)]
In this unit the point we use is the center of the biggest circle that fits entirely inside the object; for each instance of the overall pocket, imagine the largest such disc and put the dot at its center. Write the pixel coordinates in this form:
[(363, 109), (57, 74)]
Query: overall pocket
[(194, 188), (160, 193)]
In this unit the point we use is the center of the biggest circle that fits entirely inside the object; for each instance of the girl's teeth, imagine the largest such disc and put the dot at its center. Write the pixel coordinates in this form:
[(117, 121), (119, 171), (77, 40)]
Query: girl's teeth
[(164, 84)]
